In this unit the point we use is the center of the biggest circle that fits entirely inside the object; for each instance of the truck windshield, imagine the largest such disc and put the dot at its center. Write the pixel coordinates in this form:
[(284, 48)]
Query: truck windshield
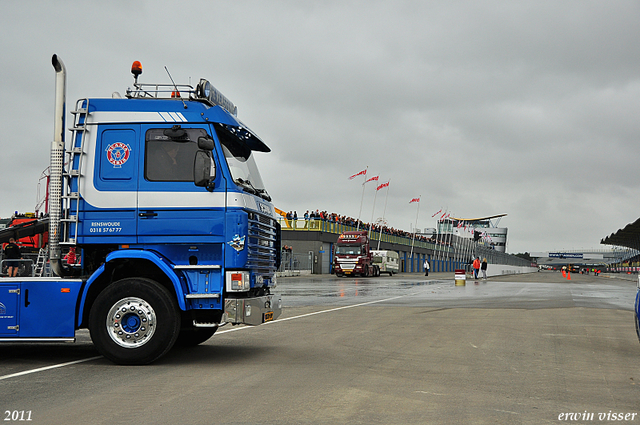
[(348, 250), (242, 166)]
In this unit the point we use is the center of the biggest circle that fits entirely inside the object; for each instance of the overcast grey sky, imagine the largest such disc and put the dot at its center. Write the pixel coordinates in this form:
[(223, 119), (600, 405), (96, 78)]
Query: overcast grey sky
[(478, 107)]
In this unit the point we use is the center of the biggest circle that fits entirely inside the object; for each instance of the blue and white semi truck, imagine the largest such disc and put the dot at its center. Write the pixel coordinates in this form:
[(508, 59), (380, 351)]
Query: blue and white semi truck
[(159, 194)]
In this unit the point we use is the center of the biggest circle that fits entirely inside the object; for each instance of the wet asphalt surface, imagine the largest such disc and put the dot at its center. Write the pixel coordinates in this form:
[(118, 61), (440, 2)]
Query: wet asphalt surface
[(531, 291), (407, 349)]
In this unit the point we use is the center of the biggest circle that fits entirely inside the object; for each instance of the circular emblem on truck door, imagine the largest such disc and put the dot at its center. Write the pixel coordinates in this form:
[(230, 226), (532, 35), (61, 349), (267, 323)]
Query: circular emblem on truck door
[(118, 153)]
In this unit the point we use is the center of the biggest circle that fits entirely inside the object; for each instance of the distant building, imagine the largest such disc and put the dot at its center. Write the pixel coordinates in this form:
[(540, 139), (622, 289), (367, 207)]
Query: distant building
[(484, 230)]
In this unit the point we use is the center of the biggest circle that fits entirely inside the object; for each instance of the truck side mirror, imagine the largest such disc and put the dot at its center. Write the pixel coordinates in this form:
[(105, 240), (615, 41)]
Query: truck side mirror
[(205, 143), (204, 170)]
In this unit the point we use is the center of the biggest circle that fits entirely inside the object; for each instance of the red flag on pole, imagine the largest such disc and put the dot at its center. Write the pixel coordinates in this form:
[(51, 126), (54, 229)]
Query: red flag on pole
[(363, 172), (372, 179), (382, 185), (439, 211), (414, 200)]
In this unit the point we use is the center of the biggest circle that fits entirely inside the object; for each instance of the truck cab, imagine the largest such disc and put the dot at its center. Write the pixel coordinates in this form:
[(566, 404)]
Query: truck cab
[(353, 255)]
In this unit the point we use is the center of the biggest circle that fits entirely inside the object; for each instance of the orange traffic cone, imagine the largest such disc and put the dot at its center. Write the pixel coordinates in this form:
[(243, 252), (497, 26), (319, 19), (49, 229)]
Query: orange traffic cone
[(563, 273), (568, 275)]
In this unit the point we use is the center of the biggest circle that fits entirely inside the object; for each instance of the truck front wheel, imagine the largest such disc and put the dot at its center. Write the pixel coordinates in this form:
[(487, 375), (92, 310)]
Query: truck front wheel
[(134, 321)]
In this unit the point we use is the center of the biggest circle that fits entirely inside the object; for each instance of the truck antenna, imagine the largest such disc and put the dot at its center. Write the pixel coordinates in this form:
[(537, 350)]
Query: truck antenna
[(176, 87)]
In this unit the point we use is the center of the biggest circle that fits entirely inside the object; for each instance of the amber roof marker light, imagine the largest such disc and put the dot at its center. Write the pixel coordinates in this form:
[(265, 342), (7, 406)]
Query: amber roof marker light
[(136, 70)]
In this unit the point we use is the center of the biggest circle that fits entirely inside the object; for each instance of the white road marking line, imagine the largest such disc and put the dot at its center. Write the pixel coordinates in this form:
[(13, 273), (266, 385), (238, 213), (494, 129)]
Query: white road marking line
[(507, 411), (314, 313), (428, 392), (42, 369)]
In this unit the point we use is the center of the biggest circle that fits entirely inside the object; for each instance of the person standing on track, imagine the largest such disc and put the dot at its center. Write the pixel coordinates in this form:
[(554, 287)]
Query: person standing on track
[(476, 267), (483, 267)]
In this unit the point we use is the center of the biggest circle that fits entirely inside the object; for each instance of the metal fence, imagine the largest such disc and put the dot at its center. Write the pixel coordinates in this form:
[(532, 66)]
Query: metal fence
[(23, 267), (295, 263)]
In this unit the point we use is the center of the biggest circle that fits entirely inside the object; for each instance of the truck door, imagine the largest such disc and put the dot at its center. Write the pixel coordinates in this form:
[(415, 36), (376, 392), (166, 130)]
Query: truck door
[(9, 297), (109, 208), (171, 208)]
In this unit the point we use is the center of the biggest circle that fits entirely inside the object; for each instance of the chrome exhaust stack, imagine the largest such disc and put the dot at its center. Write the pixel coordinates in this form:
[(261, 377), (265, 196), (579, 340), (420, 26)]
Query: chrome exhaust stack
[(56, 168)]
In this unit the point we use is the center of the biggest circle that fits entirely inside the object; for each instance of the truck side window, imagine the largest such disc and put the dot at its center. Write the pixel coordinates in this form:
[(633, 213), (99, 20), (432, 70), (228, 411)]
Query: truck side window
[(170, 159)]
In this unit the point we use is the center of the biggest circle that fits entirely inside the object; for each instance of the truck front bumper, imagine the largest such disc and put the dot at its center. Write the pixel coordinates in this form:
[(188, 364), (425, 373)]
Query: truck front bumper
[(252, 311)]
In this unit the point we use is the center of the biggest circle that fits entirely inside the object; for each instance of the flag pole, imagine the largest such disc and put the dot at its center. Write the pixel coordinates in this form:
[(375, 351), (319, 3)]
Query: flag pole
[(438, 238), (362, 198), (414, 230), (436, 247), (383, 213), (450, 254), (443, 240), (375, 195)]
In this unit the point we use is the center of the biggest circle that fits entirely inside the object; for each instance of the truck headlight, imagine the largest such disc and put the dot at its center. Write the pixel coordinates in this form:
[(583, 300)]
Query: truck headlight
[(238, 281)]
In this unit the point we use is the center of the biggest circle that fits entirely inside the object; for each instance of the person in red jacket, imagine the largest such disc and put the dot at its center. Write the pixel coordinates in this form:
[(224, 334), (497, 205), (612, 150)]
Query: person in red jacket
[(476, 267)]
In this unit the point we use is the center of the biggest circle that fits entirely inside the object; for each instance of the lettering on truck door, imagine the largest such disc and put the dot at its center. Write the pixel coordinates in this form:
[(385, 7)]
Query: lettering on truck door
[(110, 199)]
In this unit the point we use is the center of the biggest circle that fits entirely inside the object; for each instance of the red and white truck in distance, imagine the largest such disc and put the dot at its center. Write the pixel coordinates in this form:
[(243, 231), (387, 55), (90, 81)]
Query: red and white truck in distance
[(353, 256)]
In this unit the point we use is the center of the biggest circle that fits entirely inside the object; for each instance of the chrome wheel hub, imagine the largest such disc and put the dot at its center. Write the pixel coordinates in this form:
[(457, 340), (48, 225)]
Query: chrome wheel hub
[(131, 322)]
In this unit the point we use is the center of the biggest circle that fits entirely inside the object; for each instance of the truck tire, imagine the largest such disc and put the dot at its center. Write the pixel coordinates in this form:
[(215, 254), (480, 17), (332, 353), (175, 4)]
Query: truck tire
[(134, 321), (192, 336)]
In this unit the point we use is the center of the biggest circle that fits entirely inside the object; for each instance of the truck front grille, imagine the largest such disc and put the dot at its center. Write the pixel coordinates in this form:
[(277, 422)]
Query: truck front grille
[(262, 244)]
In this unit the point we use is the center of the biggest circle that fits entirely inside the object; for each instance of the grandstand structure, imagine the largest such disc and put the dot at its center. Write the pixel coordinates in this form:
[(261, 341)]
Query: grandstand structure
[(622, 255), (311, 242), (483, 230), (628, 240)]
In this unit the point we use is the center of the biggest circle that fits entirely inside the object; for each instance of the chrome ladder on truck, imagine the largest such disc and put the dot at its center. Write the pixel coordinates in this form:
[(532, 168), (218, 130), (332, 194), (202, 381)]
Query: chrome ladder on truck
[(72, 175)]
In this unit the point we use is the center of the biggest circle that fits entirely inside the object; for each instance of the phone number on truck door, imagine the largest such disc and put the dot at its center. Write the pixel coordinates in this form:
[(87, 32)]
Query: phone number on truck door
[(105, 227)]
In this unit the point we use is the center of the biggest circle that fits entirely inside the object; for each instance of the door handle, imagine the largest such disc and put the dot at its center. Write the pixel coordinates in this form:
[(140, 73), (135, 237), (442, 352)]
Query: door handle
[(147, 214)]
